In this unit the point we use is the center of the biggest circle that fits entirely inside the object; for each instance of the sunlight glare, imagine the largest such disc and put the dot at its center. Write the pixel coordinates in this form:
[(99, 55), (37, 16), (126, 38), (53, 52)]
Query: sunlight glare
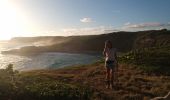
[(12, 22)]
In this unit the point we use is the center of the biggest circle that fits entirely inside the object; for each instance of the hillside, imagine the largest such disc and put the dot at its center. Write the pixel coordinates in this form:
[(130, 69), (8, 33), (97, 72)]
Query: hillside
[(136, 81), (85, 83), (153, 60), (123, 41)]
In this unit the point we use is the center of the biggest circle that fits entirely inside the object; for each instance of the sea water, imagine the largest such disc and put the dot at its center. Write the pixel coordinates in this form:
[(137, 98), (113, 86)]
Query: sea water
[(44, 60)]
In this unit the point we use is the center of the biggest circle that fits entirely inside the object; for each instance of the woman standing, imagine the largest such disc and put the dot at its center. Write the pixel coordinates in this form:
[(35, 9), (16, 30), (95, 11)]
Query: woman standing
[(111, 63)]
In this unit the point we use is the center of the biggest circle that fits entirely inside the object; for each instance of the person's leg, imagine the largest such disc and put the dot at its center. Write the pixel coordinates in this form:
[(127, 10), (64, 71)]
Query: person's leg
[(107, 77), (107, 74), (112, 77)]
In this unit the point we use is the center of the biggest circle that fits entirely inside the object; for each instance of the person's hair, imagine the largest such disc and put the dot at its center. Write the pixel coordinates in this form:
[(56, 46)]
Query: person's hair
[(107, 42)]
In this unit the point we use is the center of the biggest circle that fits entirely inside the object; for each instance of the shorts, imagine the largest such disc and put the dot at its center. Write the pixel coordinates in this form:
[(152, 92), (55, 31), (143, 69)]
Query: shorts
[(110, 64)]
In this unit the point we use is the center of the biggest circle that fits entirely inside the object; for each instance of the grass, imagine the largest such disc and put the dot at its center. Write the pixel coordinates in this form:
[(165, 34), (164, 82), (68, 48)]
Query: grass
[(38, 86), (82, 83), (137, 80), (153, 60)]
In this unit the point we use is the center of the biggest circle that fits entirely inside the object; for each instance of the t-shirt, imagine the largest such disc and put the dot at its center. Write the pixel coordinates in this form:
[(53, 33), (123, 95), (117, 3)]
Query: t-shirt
[(110, 54)]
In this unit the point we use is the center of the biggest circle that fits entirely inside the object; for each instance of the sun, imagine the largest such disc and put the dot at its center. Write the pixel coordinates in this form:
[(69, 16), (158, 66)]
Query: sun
[(12, 22)]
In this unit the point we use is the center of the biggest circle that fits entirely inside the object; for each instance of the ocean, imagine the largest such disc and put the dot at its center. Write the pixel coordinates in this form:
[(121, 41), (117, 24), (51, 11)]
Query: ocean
[(50, 60)]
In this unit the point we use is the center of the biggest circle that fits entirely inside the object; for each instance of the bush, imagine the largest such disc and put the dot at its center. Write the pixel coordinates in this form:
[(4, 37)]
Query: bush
[(15, 86), (52, 91), (153, 60)]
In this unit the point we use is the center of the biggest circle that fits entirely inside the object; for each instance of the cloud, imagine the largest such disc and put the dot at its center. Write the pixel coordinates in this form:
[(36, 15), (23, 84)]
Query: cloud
[(84, 31), (168, 23), (86, 20), (108, 29), (127, 23), (89, 30), (144, 25)]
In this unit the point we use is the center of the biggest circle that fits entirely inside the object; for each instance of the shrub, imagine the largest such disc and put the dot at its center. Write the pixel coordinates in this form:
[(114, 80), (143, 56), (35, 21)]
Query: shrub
[(152, 60)]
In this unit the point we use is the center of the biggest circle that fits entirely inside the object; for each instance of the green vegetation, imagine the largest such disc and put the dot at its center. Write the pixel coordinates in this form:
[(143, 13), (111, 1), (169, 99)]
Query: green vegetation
[(153, 60), (81, 83), (17, 86)]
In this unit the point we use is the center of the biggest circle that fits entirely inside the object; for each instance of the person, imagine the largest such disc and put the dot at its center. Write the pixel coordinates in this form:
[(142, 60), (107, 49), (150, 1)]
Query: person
[(111, 63)]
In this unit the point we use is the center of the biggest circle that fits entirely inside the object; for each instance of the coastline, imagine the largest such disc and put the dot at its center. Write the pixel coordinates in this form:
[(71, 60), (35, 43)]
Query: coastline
[(37, 51)]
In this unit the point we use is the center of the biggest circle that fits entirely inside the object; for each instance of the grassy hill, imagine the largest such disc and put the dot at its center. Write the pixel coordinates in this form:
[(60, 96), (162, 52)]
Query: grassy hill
[(137, 80), (123, 41), (82, 82)]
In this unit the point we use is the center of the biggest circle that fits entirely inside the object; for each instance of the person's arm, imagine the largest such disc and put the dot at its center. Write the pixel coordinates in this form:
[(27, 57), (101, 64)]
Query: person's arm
[(104, 52), (116, 59)]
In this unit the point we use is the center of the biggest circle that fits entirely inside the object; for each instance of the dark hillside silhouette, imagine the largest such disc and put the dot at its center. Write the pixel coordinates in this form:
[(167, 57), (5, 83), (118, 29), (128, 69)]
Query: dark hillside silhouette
[(123, 41)]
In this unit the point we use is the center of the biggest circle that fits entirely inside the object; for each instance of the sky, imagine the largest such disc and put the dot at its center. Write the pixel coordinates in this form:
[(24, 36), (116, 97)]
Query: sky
[(80, 17)]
